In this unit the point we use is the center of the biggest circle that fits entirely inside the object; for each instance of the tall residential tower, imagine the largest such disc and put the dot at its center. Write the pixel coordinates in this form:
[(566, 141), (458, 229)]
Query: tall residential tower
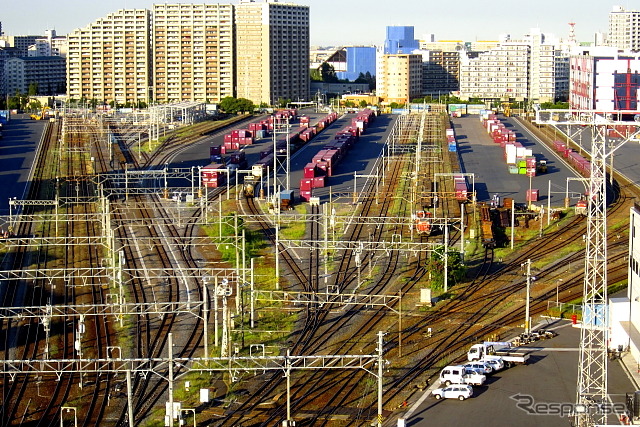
[(110, 59), (272, 51), (193, 52), (624, 28)]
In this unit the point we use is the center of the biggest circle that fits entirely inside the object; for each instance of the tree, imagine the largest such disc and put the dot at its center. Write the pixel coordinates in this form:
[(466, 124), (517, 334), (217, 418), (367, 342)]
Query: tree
[(33, 89), (328, 73), (233, 105), (363, 103), (316, 75), (282, 102)]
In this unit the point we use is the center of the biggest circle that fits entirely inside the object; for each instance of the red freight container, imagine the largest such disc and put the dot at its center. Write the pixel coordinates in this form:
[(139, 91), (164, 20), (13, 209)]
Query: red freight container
[(228, 138), (531, 171), (305, 195), (319, 182), (216, 150), (306, 184), (310, 170), (323, 169), (531, 162), (213, 175), (532, 195)]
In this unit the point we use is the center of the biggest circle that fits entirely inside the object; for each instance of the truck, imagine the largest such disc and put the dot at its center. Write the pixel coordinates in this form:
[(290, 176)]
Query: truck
[(461, 375), (496, 349)]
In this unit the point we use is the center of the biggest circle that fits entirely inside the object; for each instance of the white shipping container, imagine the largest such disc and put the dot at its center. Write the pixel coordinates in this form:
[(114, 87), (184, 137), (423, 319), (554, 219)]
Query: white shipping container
[(528, 152), (511, 153), (489, 124), (521, 152)]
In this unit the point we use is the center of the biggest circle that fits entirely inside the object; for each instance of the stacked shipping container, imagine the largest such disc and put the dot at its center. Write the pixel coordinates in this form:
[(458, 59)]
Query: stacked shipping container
[(519, 160), (323, 163)]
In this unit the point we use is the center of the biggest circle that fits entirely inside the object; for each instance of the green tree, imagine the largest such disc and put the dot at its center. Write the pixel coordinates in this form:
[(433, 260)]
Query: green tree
[(33, 89), (363, 103), (328, 73), (315, 75), (283, 102)]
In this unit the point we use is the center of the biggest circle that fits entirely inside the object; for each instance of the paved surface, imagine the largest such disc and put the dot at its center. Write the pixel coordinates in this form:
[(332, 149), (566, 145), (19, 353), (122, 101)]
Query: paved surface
[(483, 157), (547, 385), (17, 153)]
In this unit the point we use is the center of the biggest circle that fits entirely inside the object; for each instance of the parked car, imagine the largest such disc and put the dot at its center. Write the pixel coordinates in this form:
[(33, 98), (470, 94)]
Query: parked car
[(453, 391), (461, 375), (480, 367), (495, 362)]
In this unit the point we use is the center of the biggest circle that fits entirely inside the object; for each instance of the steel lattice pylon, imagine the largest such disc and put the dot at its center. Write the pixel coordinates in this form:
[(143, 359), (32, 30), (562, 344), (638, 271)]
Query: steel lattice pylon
[(591, 391), (592, 364)]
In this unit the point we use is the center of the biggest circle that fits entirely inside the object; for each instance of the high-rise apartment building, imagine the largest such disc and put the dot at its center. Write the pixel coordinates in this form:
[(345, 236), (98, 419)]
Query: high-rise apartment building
[(531, 69), (272, 51), (47, 73), (624, 28), (193, 52), (441, 72), (110, 59), (399, 78)]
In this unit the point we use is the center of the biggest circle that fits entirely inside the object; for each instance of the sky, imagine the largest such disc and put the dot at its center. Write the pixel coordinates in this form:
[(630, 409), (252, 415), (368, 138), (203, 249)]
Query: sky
[(340, 22)]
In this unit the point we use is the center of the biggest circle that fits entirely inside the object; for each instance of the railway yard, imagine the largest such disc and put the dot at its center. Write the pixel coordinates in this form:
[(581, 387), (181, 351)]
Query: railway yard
[(136, 293)]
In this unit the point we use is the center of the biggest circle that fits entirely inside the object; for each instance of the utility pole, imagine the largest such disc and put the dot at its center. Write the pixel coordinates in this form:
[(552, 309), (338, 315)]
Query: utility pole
[(528, 297)]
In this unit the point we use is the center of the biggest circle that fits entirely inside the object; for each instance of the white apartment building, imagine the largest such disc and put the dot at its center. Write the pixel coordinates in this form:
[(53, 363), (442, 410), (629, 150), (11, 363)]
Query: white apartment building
[(624, 28), (531, 69), (49, 45), (399, 78), (624, 313), (272, 51), (502, 72), (193, 52), (110, 59)]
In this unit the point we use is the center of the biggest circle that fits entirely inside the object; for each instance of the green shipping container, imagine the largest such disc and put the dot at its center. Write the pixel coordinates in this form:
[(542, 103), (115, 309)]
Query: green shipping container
[(522, 171), (522, 163)]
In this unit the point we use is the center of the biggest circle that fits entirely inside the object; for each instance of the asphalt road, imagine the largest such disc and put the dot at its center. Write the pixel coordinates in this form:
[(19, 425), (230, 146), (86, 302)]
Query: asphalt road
[(538, 394), (481, 156), (17, 153)]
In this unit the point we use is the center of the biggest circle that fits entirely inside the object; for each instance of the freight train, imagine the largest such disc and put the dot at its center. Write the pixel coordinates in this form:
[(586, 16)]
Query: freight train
[(582, 165)]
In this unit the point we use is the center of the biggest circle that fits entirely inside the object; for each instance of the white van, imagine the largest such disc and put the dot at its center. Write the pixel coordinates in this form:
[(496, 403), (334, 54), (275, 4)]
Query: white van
[(461, 375)]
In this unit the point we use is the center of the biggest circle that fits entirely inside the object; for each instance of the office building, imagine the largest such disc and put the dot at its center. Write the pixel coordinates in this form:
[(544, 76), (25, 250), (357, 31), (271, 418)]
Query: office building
[(359, 60), (605, 80), (399, 78), (193, 52), (110, 59), (400, 39), (624, 28), (272, 51), (46, 73)]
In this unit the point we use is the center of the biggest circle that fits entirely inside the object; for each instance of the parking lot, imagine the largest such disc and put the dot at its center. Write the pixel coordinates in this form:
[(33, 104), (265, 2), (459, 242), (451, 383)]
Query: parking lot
[(540, 393)]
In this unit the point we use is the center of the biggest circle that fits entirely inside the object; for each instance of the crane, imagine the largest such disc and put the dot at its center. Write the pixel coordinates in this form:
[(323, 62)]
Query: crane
[(591, 390)]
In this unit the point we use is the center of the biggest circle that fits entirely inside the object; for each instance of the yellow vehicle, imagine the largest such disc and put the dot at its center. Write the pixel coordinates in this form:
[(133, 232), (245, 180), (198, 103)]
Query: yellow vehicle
[(43, 114), (506, 109)]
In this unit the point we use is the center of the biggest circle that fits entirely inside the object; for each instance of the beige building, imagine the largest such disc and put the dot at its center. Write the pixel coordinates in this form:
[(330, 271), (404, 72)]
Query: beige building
[(399, 78), (110, 59), (624, 28), (193, 52), (272, 51)]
